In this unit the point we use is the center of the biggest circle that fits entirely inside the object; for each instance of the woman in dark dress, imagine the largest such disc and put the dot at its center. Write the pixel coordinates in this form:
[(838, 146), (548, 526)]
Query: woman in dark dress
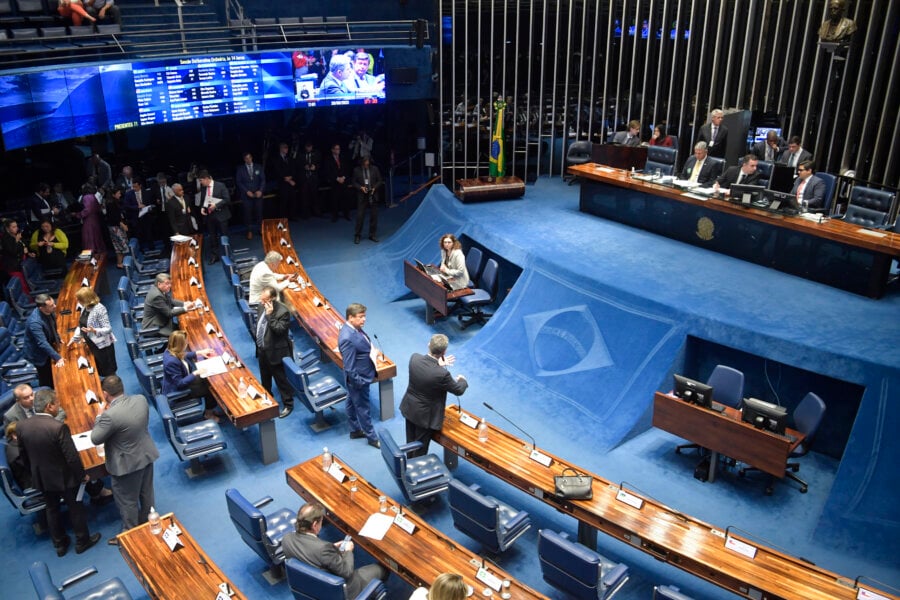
[(13, 252), (95, 329), (115, 222), (91, 222)]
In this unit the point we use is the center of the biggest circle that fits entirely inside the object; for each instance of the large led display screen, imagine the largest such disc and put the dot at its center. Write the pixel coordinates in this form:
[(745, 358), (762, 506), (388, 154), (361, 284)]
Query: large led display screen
[(43, 106)]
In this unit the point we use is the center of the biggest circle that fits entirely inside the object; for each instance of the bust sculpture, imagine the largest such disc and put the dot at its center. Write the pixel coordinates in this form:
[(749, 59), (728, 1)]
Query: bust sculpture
[(837, 28)]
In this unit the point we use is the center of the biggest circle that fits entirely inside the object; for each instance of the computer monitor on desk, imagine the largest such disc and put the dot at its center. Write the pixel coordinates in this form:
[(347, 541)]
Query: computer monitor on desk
[(693, 391), (782, 178), (620, 157), (747, 194), (784, 202), (764, 415)]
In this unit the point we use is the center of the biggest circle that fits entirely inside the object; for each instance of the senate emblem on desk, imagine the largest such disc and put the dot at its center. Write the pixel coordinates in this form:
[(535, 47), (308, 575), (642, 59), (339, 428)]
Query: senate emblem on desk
[(705, 229)]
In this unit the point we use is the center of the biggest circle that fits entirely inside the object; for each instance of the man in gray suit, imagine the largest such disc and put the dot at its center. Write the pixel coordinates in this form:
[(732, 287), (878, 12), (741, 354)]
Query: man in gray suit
[(632, 137), (160, 307), (336, 558), (122, 427), (24, 406), (429, 381)]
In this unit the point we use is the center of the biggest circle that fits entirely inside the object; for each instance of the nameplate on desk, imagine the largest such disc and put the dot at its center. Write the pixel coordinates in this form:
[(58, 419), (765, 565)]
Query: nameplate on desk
[(210, 328), (863, 594), (290, 260), (79, 307), (192, 261), (405, 524), (280, 226), (194, 281), (194, 243), (171, 539), (335, 471), (488, 579), (91, 397), (251, 391), (284, 243), (540, 458), (227, 358), (93, 262), (630, 499), (468, 420), (317, 301), (83, 363), (224, 588), (742, 548), (85, 282)]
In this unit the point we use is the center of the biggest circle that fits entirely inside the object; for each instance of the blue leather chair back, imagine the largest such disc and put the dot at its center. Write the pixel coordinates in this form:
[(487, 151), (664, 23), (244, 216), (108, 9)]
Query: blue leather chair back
[(250, 523), (568, 566), (474, 264), (828, 200), (807, 418), (418, 477), (307, 582), (718, 165), (145, 377), (869, 207), (764, 168), (489, 278), (25, 503), (393, 457), (111, 589), (474, 514), (662, 158), (728, 386)]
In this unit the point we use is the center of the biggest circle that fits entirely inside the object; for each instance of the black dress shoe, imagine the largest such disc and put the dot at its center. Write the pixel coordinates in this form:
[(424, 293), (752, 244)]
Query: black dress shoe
[(355, 435), (285, 411), (375, 443), (90, 544), (64, 547), (373, 238), (355, 239)]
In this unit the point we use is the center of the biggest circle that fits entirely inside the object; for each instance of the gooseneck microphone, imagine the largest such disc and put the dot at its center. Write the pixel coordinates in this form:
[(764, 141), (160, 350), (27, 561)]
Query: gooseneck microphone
[(507, 419)]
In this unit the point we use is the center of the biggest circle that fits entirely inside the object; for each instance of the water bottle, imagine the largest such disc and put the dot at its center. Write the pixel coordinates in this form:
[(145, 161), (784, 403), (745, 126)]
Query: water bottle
[(153, 519), (804, 206), (242, 388), (482, 431), (326, 459)]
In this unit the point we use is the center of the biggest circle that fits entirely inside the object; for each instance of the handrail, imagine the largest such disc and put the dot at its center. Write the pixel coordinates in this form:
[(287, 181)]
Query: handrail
[(392, 173)]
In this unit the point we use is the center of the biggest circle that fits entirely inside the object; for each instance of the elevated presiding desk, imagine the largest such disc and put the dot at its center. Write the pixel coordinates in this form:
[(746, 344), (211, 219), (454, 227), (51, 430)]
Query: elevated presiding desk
[(714, 554), (418, 557), (204, 331), (316, 315), (73, 382), (166, 574), (829, 251)]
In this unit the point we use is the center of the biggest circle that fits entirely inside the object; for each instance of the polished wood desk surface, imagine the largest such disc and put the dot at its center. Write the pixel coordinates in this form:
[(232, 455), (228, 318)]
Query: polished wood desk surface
[(417, 558), (186, 572), (725, 433), (433, 293), (75, 382), (323, 323), (662, 532), (836, 230), (242, 412)]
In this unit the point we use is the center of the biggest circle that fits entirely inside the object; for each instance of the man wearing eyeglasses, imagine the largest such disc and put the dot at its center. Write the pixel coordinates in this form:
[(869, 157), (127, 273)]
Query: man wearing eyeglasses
[(807, 187)]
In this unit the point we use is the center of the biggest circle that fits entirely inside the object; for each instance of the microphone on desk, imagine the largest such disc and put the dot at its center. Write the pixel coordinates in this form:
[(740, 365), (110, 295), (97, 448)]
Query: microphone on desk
[(458, 404), (507, 419)]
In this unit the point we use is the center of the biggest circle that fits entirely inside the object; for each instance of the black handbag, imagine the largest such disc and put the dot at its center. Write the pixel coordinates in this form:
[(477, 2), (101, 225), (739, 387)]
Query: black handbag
[(573, 487)]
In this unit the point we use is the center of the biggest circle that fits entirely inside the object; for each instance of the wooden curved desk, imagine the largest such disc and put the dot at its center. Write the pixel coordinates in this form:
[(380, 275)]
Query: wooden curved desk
[(664, 533), (242, 412), (80, 415), (321, 321)]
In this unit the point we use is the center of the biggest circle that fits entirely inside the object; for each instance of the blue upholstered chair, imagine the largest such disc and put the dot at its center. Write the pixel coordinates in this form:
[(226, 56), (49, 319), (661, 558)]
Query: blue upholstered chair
[(494, 524), (316, 392), (668, 592), (243, 262), (12, 321), (728, 389), (662, 158), (111, 589), (128, 294), (142, 280), (307, 582), (483, 296), (869, 207), (190, 442), (25, 501), (578, 570), (263, 533), (14, 367), (474, 264), (145, 262), (578, 153), (828, 200), (764, 168), (718, 165), (20, 301), (418, 478)]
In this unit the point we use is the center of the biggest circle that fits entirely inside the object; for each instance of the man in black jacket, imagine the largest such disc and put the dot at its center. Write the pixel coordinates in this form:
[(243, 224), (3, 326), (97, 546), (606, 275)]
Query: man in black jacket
[(272, 344)]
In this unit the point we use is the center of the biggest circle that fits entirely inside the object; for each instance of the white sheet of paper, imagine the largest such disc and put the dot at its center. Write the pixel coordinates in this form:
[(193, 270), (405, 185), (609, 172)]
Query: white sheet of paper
[(83, 441), (376, 526), (212, 366)]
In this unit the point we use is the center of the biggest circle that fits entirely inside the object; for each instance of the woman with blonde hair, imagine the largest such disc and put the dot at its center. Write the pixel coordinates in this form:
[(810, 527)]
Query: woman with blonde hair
[(446, 586), (95, 329), (453, 262), (180, 373)]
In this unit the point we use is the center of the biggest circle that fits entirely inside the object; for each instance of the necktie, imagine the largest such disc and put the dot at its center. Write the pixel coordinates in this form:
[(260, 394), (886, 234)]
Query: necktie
[(715, 130), (162, 197), (250, 170), (740, 178), (769, 153), (366, 176), (695, 172), (261, 328), (800, 190), (794, 159), (337, 160), (29, 412)]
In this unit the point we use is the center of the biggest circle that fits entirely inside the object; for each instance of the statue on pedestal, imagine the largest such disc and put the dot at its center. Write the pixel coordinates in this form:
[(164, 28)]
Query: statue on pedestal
[(837, 29)]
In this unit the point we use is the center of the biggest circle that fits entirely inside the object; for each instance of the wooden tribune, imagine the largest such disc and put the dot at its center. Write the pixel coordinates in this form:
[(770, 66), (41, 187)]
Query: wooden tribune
[(666, 534), (73, 382), (417, 558), (186, 572), (317, 316), (435, 295), (242, 412), (480, 189)]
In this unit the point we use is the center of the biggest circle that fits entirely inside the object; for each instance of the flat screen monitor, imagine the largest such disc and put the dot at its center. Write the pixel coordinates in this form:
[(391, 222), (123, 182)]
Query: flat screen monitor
[(693, 391), (746, 194), (782, 202), (782, 178), (764, 415), (762, 132)]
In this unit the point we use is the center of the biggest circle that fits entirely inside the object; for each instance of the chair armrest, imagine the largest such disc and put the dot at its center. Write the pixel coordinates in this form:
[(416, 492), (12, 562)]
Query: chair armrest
[(149, 330), (517, 520), (19, 364), (190, 439), (76, 577), (614, 574), (405, 448), (312, 370), (372, 591), (429, 477), (263, 501), (179, 395)]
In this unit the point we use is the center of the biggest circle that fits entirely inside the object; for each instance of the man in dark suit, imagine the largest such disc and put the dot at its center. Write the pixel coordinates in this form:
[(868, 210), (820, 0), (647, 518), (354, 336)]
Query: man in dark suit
[(359, 370), (335, 173), (770, 148), (250, 180), (40, 205), (715, 134), (746, 174), (807, 187), (272, 344), (48, 450), (160, 307), (216, 201), (429, 381), (699, 168), (366, 180), (178, 211), (140, 212), (310, 159), (795, 153), (286, 173), (122, 427), (42, 339), (336, 558)]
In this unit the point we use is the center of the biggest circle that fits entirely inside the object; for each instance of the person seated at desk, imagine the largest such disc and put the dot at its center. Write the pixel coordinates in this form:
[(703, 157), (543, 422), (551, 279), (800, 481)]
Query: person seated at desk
[(263, 276), (160, 308), (453, 262), (661, 139), (180, 373), (49, 245), (807, 187), (770, 148), (698, 168), (446, 586), (632, 137), (746, 174), (304, 544)]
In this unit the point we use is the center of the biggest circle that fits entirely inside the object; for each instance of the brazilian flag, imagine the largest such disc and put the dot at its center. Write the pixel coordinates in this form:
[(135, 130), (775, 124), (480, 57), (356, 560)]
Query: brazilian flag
[(498, 161)]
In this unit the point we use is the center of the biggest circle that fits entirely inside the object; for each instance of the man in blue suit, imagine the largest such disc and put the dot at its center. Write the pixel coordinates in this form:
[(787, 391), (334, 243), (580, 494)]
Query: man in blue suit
[(808, 187), (251, 182), (42, 339), (359, 370)]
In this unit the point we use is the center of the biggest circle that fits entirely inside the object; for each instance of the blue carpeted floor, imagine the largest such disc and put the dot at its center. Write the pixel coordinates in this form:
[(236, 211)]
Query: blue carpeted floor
[(592, 327)]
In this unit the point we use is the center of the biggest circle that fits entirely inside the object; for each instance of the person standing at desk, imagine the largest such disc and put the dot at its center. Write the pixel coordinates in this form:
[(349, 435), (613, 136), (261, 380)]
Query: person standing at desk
[(358, 353), (42, 339), (216, 201), (715, 134), (429, 381), (94, 327), (250, 180), (453, 262), (273, 343)]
